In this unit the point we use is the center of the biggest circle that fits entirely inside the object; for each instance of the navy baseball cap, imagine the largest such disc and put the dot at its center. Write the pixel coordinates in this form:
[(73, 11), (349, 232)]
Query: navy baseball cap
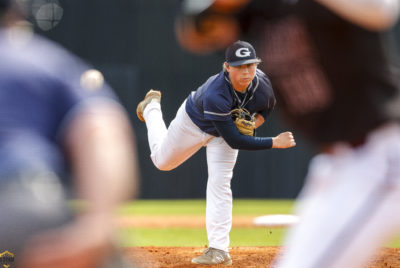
[(240, 53)]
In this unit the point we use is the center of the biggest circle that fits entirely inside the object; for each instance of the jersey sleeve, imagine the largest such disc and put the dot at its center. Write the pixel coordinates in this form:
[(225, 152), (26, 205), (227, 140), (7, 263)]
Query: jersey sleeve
[(236, 140), (271, 105), (217, 106), (267, 93)]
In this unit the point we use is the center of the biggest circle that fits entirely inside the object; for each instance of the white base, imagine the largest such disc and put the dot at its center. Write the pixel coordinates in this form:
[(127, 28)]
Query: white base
[(276, 220)]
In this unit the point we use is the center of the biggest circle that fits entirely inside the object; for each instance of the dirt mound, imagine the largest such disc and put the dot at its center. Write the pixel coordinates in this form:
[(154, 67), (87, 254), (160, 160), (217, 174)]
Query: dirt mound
[(192, 221), (249, 257)]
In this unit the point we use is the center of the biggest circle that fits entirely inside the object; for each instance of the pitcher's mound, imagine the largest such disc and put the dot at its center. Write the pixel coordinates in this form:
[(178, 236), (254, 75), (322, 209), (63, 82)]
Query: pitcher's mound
[(249, 257)]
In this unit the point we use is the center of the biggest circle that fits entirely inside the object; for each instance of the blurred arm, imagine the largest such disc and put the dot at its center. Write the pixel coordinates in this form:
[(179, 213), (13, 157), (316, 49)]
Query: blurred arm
[(102, 154), (101, 149), (371, 14)]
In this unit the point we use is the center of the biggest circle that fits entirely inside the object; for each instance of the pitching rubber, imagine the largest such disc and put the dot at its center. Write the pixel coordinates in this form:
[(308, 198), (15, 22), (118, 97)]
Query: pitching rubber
[(276, 220)]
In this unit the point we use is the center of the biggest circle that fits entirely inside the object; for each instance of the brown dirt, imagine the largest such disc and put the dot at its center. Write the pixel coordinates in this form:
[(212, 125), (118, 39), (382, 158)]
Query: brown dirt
[(177, 221), (249, 257)]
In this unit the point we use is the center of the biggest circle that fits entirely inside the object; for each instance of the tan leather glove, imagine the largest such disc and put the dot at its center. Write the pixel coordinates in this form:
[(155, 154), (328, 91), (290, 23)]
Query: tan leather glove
[(244, 121)]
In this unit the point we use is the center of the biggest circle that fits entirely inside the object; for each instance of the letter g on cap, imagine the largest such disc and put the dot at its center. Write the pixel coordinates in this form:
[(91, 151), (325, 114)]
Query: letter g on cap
[(243, 52)]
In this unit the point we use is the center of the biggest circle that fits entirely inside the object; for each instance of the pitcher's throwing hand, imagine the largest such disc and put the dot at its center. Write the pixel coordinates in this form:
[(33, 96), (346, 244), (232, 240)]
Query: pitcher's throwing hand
[(284, 140)]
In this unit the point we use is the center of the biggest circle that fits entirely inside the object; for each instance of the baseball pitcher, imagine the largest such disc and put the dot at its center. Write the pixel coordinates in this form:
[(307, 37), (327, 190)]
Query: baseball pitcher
[(222, 115)]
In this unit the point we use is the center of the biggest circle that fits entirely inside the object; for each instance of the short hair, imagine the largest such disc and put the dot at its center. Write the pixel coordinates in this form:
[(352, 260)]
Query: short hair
[(224, 66)]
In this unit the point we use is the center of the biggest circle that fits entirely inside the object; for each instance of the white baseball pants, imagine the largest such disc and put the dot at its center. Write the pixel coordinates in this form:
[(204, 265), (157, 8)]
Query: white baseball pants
[(349, 206), (173, 146)]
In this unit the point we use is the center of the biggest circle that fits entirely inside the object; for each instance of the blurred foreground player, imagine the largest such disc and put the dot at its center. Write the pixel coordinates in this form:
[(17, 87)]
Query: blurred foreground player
[(59, 125), (335, 68)]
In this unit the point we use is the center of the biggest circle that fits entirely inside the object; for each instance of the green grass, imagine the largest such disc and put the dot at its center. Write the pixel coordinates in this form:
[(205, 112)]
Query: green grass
[(198, 207), (197, 237), (164, 207), (173, 237)]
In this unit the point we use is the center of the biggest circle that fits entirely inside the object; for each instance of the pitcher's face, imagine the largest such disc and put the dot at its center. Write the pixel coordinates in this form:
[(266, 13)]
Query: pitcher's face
[(241, 76)]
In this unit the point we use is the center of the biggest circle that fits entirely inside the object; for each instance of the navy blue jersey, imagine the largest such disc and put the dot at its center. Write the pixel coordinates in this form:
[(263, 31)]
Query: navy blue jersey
[(40, 93), (216, 98)]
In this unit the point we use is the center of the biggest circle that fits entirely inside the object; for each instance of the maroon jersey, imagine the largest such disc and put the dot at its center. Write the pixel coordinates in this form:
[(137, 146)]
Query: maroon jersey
[(334, 81)]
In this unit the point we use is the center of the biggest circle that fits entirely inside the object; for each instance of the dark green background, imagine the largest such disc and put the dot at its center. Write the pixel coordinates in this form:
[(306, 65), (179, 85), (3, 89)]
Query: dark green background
[(133, 43)]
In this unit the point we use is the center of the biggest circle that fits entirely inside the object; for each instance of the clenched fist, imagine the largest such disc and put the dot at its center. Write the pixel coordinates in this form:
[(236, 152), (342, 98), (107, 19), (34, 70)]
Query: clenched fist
[(283, 140)]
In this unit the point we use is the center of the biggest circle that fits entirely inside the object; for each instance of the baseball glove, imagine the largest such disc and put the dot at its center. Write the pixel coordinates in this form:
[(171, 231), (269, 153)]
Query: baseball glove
[(244, 121)]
